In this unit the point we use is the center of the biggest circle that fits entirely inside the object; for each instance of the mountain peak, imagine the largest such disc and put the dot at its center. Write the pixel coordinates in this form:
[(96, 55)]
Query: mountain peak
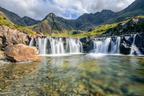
[(50, 15), (25, 17), (107, 11)]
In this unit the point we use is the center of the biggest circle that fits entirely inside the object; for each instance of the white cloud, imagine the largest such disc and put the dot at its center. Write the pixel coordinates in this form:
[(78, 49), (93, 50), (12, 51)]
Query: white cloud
[(66, 8)]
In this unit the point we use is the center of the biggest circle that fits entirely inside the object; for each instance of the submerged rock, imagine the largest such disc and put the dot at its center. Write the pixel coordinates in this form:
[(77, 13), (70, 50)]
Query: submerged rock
[(21, 53)]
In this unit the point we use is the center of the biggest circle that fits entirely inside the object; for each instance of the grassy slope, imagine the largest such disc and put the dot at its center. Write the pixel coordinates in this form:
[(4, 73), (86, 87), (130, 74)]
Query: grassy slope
[(4, 21), (66, 33), (96, 32), (69, 33), (100, 30)]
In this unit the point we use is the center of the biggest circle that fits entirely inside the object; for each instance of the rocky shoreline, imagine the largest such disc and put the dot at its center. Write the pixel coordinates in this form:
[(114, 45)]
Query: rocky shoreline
[(13, 46)]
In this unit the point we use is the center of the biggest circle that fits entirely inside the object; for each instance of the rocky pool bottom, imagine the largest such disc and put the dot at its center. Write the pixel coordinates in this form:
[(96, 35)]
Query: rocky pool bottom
[(80, 75)]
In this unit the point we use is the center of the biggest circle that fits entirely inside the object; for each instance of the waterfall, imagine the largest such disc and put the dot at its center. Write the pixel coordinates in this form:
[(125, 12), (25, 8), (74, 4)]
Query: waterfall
[(31, 42), (118, 45), (115, 45), (111, 45), (97, 46), (134, 49), (42, 44), (57, 46), (101, 46), (107, 46), (73, 46)]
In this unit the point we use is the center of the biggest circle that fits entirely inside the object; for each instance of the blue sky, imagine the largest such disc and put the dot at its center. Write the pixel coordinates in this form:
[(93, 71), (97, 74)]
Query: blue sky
[(69, 9)]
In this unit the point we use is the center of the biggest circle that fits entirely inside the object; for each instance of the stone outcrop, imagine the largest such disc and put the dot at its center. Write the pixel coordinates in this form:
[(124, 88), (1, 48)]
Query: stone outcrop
[(87, 44), (13, 46), (132, 26), (21, 53), (9, 36)]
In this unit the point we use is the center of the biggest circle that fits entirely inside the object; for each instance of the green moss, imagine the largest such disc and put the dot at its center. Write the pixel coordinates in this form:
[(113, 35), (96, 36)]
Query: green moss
[(102, 29), (5, 21), (140, 16), (26, 30)]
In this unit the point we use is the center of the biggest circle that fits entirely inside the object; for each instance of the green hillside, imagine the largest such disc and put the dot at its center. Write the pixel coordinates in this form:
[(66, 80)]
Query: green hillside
[(4, 21)]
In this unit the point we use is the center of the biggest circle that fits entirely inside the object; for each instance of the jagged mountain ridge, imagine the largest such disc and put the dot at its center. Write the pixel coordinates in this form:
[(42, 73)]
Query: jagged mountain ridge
[(85, 22)]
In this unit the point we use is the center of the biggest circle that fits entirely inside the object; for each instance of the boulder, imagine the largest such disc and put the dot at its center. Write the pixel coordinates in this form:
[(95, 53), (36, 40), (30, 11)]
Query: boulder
[(10, 36), (22, 53), (88, 44)]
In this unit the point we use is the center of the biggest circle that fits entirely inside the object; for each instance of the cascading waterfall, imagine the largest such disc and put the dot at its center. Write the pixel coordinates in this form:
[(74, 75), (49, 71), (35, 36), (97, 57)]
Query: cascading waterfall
[(57, 46), (31, 42), (101, 46), (134, 49), (111, 45), (74, 46), (107, 45), (115, 45), (42, 45)]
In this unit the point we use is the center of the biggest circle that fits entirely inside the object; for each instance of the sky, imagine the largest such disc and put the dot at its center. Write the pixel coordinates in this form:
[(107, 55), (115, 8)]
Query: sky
[(70, 9)]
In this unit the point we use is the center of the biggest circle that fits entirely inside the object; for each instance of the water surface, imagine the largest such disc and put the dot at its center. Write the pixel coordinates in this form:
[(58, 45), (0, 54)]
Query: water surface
[(80, 75)]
